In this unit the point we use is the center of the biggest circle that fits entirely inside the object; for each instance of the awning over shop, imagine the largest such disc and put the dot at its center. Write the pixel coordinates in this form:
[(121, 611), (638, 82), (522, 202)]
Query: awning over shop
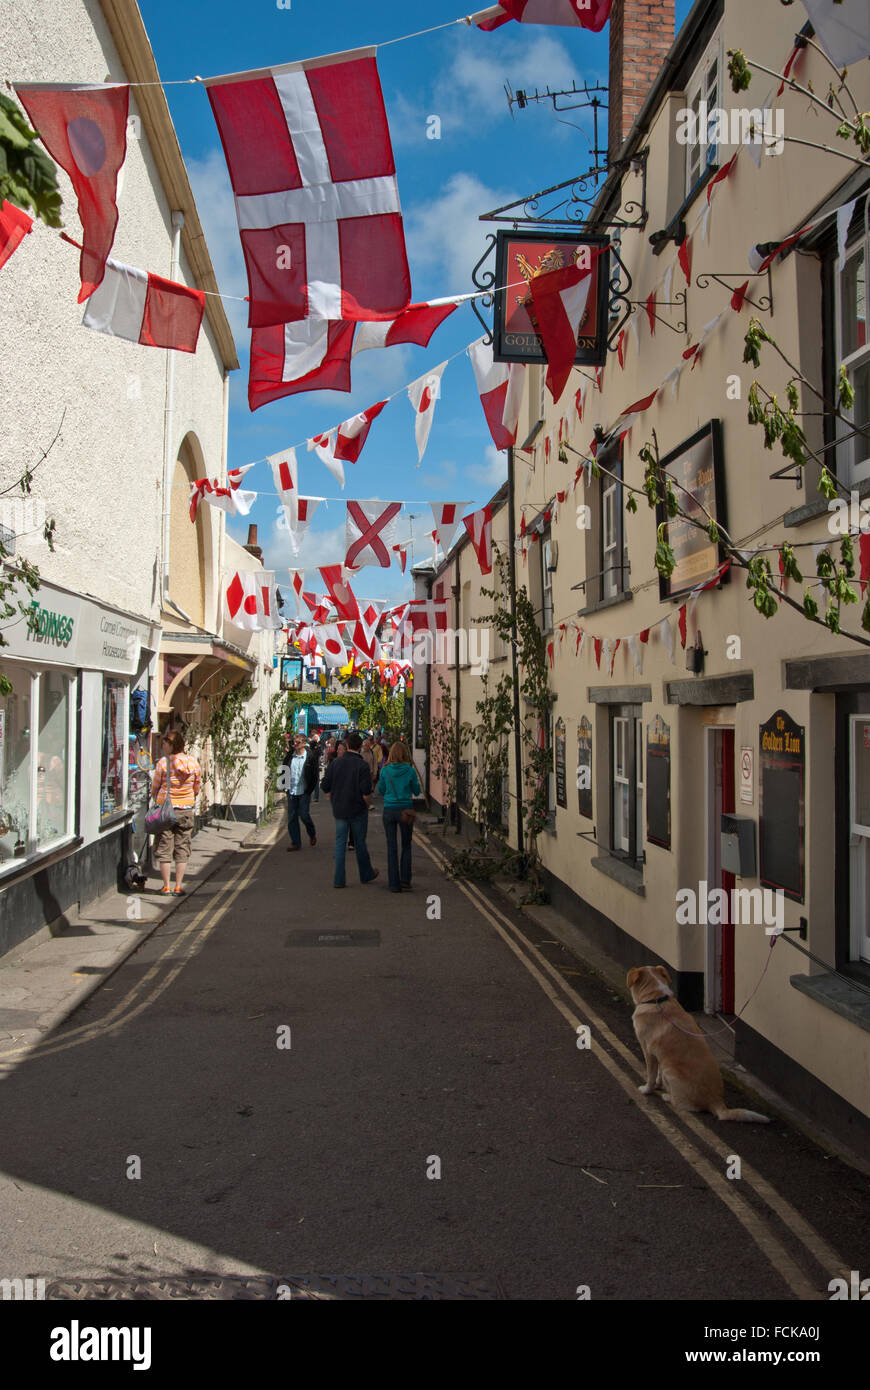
[(203, 657), (334, 715)]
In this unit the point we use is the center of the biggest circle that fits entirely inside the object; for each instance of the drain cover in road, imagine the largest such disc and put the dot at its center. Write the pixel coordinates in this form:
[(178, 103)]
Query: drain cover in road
[(333, 938), (420, 1287)]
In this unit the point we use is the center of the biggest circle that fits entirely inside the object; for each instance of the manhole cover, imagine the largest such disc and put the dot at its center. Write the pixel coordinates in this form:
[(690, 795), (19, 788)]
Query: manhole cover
[(420, 1287), (334, 938)]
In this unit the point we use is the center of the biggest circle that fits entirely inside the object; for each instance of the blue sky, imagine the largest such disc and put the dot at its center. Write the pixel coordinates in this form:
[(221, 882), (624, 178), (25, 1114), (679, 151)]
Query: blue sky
[(484, 158)]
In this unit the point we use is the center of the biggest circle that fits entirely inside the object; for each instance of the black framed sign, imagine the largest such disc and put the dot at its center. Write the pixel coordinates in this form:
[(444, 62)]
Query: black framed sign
[(560, 757), (697, 466), (520, 257), (420, 719), (781, 805), (584, 767), (291, 673), (658, 783)]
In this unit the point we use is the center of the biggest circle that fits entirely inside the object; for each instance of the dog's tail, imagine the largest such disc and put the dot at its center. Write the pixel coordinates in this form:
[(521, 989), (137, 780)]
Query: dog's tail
[(746, 1116)]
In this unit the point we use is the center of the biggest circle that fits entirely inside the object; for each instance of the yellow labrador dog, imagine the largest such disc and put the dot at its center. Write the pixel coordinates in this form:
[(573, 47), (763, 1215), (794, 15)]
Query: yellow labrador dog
[(678, 1059)]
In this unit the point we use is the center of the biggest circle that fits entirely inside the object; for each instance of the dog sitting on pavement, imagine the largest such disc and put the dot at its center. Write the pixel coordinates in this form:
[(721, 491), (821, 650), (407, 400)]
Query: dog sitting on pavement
[(678, 1059)]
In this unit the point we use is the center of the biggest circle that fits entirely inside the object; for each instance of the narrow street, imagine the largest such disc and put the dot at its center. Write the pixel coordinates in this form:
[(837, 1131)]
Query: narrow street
[(432, 1115)]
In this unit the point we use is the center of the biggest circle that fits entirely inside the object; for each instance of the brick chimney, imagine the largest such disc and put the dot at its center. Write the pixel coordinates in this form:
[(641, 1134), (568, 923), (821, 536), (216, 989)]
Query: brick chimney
[(252, 547), (641, 34)]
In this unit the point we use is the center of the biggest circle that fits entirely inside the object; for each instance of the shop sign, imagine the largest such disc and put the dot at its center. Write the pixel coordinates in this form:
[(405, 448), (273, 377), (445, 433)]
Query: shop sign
[(68, 630), (584, 767), (781, 808), (520, 257), (561, 778)]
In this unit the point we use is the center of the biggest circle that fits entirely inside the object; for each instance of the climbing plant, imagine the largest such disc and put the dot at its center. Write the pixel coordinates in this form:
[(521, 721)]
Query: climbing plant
[(234, 733)]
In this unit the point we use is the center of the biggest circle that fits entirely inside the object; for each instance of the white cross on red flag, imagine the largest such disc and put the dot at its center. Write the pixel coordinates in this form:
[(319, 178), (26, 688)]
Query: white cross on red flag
[(287, 358), (370, 531), (310, 160)]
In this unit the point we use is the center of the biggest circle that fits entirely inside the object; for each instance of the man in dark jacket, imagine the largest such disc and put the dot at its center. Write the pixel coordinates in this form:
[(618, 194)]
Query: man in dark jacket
[(348, 784), (298, 778)]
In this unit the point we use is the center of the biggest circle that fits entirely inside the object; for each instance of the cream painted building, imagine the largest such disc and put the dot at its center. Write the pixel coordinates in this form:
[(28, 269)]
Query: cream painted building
[(131, 596), (770, 725)]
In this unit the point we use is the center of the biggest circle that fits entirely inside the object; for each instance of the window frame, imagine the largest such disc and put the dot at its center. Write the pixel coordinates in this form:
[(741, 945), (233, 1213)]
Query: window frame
[(625, 724), (613, 579), (33, 848), (697, 89), (853, 471)]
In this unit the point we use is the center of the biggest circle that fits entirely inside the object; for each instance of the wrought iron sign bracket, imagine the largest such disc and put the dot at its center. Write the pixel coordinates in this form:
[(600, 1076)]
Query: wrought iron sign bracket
[(682, 298), (785, 475), (485, 280), (578, 202), (618, 296), (764, 304)]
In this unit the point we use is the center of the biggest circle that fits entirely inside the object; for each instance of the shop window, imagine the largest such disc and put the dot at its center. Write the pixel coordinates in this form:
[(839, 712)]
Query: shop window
[(114, 748), (626, 743), (36, 751)]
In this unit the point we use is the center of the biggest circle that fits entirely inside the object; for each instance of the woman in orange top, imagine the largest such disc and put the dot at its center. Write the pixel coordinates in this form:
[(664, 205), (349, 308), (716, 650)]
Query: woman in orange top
[(185, 781)]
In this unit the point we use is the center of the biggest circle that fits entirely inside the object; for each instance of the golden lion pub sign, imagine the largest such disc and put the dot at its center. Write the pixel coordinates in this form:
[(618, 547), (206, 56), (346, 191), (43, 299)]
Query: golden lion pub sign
[(520, 258)]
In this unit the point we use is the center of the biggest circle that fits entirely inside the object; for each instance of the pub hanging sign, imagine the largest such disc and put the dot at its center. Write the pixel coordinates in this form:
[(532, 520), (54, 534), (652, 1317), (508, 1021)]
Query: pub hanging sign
[(520, 258), (781, 805)]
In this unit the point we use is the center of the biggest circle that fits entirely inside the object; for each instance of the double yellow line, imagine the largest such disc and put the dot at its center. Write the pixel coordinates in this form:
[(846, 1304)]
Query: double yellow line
[(625, 1068)]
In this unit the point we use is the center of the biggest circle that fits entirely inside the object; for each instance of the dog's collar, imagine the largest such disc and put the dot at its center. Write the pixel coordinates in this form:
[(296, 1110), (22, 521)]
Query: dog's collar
[(659, 999)]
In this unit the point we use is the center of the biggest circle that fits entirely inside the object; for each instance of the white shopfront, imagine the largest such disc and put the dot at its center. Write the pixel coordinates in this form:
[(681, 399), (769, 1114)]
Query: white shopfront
[(65, 726)]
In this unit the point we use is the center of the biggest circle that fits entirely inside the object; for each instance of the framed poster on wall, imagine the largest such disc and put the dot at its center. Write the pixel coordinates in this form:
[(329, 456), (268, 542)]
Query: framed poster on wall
[(520, 257), (697, 467), (658, 783), (584, 767), (781, 805)]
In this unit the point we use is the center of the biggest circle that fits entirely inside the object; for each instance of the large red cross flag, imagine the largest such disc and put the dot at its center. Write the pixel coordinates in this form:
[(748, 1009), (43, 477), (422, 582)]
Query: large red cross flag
[(560, 298), (145, 308), (371, 529), (500, 387), (285, 475), (310, 160), (582, 14), (332, 645), (14, 226), (287, 358), (416, 324), (85, 130), (479, 528), (423, 394), (251, 601), (448, 521)]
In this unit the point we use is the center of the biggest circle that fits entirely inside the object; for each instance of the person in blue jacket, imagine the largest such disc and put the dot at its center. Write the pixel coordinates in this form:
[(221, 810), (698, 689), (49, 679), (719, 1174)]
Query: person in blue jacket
[(398, 784)]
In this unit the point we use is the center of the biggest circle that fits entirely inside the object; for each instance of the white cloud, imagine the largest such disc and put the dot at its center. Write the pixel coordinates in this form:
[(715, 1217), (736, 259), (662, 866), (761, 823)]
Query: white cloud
[(493, 472), (445, 235)]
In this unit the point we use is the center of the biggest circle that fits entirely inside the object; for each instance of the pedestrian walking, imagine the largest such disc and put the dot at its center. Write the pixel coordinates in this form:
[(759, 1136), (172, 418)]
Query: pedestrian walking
[(299, 778), (185, 781), (348, 784), (314, 746), (371, 756), (399, 784)]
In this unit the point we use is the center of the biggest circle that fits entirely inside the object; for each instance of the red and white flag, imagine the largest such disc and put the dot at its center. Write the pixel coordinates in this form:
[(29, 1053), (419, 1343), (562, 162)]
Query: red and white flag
[(85, 130), (285, 473), (353, 434), (250, 600), (365, 630), (416, 324), (324, 446), (634, 411), (229, 497), (560, 298), (448, 521), (288, 358), (331, 645), (340, 592), (145, 308), (297, 579), (370, 531), (305, 509), (500, 387), (479, 528), (14, 226), (402, 552), (310, 160), (842, 28), (582, 14), (423, 394)]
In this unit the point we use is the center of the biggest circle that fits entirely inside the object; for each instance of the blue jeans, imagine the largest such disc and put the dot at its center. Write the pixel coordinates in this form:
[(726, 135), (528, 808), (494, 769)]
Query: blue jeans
[(298, 809), (399, 873), (359, 825)]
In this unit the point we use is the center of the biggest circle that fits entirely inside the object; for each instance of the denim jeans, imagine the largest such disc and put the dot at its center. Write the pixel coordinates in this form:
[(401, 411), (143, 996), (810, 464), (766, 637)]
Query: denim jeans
[(298, 809), (399, 873), (359, 825)]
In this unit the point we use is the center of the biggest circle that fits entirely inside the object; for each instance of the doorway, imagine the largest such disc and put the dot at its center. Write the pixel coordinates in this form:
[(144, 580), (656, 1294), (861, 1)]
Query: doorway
[(719, 945)]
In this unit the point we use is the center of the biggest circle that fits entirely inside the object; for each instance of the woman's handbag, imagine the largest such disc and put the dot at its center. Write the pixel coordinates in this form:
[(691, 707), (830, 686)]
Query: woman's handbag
[(162, 817), (408, 816)]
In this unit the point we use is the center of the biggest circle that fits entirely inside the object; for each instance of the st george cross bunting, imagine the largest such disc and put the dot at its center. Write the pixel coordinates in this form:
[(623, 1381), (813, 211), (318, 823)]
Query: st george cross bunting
[(310, 160)]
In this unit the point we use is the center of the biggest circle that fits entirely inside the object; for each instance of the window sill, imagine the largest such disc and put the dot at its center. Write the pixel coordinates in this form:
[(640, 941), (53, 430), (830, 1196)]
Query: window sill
[(694, 193), (836, 994), (621, 872), (40, 861), (116, 818), (819, 507), (605, 603)]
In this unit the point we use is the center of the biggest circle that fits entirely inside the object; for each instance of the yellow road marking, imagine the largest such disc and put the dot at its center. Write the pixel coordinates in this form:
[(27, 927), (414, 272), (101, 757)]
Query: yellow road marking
[(723, 1187)]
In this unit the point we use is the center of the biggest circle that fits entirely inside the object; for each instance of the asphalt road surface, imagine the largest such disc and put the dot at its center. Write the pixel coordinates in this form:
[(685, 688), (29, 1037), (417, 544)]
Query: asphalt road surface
[(363, 1093)]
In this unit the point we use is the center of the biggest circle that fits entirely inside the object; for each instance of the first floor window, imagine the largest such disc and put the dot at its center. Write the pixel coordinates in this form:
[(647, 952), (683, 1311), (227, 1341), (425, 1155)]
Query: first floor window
[(851, 281), (114, 748), (626, 742)]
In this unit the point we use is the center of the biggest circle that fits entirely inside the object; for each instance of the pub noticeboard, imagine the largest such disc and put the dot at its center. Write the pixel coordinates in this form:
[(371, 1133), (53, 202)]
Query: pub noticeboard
[(781, 806), (658, 783), (584, 767), (520, 257), (420, 719), (697, 466), (561, 777)]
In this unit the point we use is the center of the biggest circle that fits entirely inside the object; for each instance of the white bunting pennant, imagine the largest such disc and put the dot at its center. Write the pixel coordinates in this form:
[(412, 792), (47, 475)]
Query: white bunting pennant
[(448, 521), (332, 645), (324, 446), (305, 509), (285, 474), (423, 393), (297, 580), (668, 638)]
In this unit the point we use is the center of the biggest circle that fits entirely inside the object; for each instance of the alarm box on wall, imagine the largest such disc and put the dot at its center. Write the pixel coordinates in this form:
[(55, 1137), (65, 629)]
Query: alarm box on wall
[(738, 846)]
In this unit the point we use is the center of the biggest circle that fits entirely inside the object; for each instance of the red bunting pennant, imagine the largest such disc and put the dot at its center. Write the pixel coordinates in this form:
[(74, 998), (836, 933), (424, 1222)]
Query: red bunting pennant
[(682, 625)]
